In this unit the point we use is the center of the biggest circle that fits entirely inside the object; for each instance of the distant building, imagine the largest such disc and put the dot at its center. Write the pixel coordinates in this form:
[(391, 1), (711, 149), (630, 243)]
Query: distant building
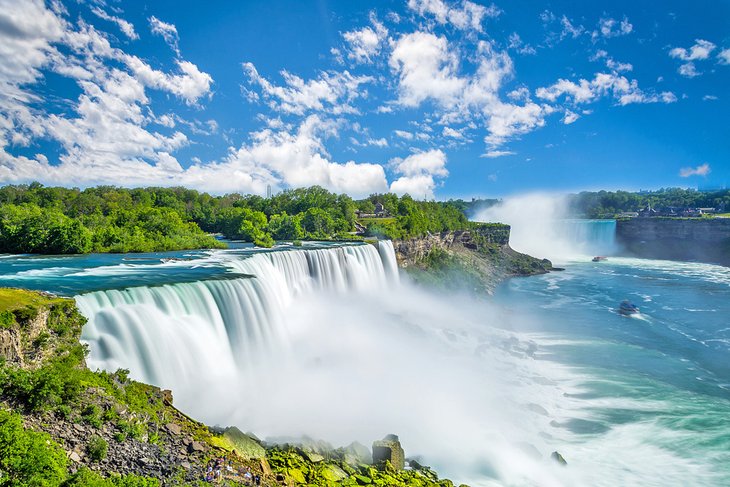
[(380, 212), (647, 212), (674, 211)]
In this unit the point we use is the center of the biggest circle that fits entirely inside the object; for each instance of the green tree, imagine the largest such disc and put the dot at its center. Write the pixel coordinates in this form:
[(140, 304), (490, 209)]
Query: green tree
[(285, 227), (317, 223)]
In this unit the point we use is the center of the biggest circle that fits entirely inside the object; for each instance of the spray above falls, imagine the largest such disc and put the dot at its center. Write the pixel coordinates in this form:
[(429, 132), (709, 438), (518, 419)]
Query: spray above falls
[(541, 226)]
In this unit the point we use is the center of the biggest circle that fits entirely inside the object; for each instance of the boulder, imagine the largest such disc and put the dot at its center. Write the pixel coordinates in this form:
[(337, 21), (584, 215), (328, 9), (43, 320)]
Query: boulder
[(389, 450), (296, 475), (333, 473), (166, 396), (246, 446), (356, 453), (196, 446), (173, 428)]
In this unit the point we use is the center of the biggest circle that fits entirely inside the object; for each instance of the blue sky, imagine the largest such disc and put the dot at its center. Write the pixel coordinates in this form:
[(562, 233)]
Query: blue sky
[(431, 97)]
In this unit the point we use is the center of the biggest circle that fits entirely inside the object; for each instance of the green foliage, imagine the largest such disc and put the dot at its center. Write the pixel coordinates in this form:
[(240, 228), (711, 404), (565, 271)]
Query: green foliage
[(411, 218), (28, 458), (86, 478), (36, 219), (97, 448), (57, 382), (285, 227), (317, 224), (608, 204), (7, 319), (92, 415)]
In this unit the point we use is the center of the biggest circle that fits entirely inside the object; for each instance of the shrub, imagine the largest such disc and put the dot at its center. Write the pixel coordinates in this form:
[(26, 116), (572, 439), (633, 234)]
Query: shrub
[(92, 415), (28, 458), (97, 448), (86, 478), (64, 411), (7, 319)]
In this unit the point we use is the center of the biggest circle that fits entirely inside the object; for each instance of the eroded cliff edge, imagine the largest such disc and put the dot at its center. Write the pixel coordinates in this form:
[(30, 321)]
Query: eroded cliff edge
[(471, 260)]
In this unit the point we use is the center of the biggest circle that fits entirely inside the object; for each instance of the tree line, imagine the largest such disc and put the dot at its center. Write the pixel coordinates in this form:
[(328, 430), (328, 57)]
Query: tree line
[(608, 204), (55, 220)]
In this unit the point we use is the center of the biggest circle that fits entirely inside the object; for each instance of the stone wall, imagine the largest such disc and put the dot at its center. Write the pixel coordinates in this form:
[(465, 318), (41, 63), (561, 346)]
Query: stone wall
[(690, 239)]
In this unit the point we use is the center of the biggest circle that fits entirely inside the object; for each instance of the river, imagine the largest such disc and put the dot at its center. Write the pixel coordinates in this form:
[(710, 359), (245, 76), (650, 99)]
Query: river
[(328, 341)]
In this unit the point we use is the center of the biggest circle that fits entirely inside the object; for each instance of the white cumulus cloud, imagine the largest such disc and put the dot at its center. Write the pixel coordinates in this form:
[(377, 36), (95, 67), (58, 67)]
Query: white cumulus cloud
[(332, 91), (701, 170), (363, 45), (418, 172), (467, 16)]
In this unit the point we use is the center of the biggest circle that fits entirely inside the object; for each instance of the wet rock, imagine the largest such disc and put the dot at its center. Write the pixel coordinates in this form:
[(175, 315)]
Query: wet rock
[(246, 446), (296, 475), (558, 458)]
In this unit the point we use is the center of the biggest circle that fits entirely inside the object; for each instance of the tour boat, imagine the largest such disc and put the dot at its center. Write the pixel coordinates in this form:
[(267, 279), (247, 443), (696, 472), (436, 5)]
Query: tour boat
[(627, 308)]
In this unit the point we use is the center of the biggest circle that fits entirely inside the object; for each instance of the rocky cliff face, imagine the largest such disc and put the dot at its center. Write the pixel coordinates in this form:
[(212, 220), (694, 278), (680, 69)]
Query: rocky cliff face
[(695, 239), (36, 326), (475, 260)]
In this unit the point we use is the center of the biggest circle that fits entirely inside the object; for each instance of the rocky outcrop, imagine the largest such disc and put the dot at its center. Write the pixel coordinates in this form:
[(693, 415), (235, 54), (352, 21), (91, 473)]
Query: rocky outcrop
[(687, 239), (389, 450), (412, 250), (472, 260), (36, 329)]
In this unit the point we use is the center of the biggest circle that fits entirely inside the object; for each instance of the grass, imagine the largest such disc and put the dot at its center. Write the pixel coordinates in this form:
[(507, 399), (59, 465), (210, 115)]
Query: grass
[(13, 299)]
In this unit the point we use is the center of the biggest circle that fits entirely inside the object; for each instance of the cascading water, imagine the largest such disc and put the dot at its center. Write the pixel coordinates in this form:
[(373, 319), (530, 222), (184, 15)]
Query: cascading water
[(181, 334), (540, 227)]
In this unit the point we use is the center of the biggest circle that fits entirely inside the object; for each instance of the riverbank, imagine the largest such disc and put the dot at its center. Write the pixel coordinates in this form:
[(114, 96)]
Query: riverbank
[(63, 424)]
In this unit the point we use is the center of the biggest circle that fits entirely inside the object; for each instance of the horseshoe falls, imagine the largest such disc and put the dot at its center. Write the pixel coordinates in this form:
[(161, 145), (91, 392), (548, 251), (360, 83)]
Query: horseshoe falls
[(542, 227), (326, 340)]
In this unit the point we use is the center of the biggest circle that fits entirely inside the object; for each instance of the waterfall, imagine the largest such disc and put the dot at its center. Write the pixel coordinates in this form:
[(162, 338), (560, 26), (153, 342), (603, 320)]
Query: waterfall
[(540, 227), (191, 333)]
